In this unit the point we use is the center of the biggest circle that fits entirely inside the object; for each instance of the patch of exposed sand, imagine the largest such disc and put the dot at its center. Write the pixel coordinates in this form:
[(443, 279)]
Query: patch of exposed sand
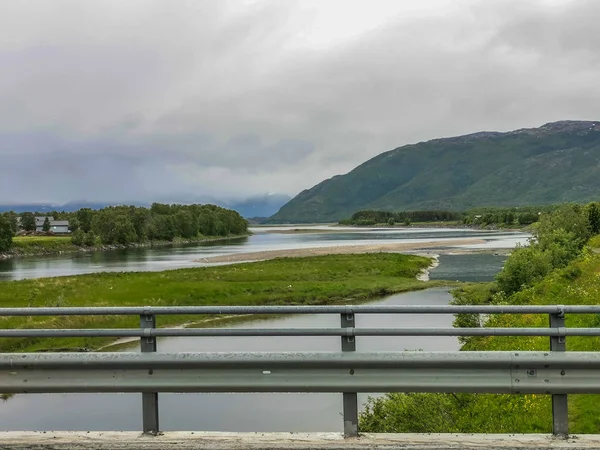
[(335, 250)]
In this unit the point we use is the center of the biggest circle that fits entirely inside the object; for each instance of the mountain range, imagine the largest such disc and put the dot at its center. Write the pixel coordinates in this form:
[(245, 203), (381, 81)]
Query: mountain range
[(557, 162), (256, 206)]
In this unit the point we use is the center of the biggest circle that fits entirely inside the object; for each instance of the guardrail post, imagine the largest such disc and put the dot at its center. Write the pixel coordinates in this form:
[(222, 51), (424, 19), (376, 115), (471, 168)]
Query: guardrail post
[(149, 399), (350, 398), (560, 410)]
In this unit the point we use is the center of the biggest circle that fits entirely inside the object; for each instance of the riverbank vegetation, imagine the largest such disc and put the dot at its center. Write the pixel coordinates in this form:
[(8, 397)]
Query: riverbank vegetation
[(284, 281), (561, 266), (41, 244), (121, 226), (516, 217), (370, 218)]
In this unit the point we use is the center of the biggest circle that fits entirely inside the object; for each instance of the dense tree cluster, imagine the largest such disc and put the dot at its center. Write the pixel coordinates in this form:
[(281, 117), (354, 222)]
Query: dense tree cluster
[(130, 224), (558, 238), (28, 221), (524, 215), (370, 217)]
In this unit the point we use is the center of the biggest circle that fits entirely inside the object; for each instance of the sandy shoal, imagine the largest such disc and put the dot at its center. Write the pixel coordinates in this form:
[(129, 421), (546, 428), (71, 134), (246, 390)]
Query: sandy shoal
[(336, 250)]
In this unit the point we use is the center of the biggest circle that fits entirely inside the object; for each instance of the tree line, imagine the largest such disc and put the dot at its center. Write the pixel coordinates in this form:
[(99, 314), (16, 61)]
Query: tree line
[(372, 217), (514, 216), (130, 224)]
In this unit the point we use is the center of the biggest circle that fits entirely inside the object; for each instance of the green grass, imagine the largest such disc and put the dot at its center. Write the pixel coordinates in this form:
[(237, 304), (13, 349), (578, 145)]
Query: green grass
[(42, 244), (283, 281), (577, 284), (38, 239), (594, 242), (47, 245)]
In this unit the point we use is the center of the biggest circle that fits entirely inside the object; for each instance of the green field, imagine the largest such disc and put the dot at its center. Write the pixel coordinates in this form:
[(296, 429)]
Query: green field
[(24, 239), (42, 244), (284, 281), (577, 284)]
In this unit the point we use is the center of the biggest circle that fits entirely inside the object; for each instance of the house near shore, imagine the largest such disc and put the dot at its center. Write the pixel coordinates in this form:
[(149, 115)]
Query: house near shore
[(56, 226)]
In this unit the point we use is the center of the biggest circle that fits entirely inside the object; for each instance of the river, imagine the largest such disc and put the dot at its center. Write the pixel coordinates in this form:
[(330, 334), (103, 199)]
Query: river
[(180, 256), (248, 412), (232, 412)]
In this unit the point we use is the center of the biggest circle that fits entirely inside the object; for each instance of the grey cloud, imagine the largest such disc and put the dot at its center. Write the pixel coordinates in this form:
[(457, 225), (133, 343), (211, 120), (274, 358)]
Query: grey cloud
[(563, 31), (118, 100), (112, 168)]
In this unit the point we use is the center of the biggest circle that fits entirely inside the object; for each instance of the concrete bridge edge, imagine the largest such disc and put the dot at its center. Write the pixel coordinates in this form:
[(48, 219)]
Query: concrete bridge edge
[(284, 441)]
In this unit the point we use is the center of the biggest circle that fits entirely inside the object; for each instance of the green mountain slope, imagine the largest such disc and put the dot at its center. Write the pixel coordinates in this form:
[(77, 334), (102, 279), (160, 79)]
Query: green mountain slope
[(557, 162)]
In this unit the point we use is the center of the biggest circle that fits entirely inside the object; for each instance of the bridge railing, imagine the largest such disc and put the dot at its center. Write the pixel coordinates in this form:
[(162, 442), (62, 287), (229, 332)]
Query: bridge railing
[(348, 372)]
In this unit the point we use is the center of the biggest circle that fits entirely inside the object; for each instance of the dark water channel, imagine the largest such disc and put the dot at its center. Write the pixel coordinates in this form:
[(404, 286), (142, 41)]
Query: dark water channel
[(232, 412)]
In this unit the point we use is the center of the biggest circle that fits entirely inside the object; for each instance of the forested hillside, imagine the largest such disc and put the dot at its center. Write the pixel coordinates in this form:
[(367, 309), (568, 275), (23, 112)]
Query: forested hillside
[(556, 163)]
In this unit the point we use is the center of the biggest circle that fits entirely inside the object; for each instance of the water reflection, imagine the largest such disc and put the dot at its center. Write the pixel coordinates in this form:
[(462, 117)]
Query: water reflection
[(471, 267), (234, 412), (181, 256)]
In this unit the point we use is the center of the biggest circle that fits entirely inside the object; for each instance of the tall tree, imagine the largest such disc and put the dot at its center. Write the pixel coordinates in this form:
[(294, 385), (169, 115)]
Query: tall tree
[(140, 217), (6, 234), (46, 225), (187, 226), (74, 225), (85, 217), (11, 216), (28, 221), (593, 213)]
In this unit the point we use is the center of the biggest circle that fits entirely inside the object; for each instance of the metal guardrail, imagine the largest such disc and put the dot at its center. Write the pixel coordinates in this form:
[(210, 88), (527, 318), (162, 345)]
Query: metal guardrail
[(554, 372)]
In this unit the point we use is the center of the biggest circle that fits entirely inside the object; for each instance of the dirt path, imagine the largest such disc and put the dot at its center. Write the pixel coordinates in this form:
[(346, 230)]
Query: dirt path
[(335, 250)]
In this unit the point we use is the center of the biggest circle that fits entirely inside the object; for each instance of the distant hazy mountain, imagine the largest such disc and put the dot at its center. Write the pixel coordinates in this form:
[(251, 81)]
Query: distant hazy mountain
[(28, 207), (68, 207), (558, 162), (257, 206)]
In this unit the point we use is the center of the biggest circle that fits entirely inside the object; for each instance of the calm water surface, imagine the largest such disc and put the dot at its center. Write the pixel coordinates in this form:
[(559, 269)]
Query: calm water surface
[(249, 412), (173, 257), (233, 412)]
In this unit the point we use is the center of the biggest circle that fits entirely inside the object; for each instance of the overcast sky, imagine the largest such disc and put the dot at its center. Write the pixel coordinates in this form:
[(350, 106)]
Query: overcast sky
[(141, 100)]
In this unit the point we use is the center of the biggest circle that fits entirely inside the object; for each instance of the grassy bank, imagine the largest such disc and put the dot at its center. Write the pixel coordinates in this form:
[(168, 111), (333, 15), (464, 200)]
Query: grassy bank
[(576, 284), (50, 245), (23, 245), (310, 281)]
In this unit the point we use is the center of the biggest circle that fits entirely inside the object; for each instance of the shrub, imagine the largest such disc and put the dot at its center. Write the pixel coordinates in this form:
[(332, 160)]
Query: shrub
[(525, 266), (77, 238), (90, 239)]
